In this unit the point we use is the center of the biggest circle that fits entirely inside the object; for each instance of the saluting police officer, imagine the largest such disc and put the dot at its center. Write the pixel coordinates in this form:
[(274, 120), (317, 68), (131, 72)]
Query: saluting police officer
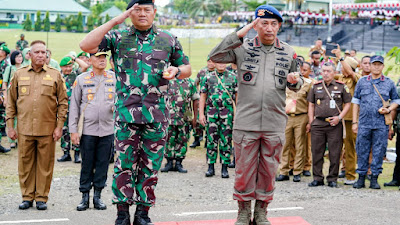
[(265, 66), (145, 58), (326, 98)]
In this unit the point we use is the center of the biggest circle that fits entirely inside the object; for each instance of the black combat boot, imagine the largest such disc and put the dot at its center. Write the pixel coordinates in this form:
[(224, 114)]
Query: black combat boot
[(210, 172), (195, 143), (360, 182), (224, 171), (179, 167), (123, 217), (142, 216), (374, 182), (169, 166), (97, 202), (84, 202), (64, 158), (232, 164), (4, 150), (76, 157)]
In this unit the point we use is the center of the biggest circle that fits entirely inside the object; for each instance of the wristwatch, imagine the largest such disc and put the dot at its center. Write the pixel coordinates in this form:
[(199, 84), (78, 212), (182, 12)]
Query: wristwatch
[(178, 73), (341, 59)]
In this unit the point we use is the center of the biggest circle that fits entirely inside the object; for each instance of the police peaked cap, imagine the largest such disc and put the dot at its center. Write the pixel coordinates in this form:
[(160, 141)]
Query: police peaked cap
[(140, 2), (268, 12)]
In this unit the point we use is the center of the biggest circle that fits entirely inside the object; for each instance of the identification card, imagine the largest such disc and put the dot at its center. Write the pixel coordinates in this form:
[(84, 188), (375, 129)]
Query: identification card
[(332, 104)]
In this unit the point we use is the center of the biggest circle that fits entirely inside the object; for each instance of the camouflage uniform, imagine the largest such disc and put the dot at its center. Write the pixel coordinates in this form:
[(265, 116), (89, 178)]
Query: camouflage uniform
[(180, 93), (219, 110), (66, 138), (141, 110), (21, 44), (3, 66)]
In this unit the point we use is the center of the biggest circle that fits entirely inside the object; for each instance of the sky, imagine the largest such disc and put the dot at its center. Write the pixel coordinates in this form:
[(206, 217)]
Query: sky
[(161, 3)]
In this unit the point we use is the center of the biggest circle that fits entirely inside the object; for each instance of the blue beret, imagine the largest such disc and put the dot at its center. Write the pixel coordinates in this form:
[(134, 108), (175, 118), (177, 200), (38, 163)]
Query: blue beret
[(267, 11), (140, 2), (376, 58)]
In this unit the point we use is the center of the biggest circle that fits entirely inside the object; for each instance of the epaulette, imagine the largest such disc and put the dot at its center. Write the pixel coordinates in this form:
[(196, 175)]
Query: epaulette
[(340, 82)]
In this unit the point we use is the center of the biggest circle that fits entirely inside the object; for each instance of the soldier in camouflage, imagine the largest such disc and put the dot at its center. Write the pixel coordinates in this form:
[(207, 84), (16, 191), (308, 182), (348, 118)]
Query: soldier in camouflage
[(198, 129), (4, 51), (22, 43), (217, 93), (145, 59), (66, 145), (182, 95)]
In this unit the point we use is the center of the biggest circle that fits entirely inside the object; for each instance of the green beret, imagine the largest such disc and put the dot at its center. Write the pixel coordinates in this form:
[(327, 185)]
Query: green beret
[(83, 54), (66, 61), (5, 48)]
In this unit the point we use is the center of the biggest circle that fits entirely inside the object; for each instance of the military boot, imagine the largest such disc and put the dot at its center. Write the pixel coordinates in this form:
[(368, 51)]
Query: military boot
[(224, 171), (360, 182), (97, 202), (64, 158), (142, 216), (374, 182), (4, 150), (169, 166), (260, 213), (179, 167), (76, 157), (232, 164), (84, 202), (195, 143), (123, 217), (244, 213), (210, 172)]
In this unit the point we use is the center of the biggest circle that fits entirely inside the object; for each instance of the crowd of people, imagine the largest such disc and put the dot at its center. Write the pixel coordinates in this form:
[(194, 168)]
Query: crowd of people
[(256, 101)]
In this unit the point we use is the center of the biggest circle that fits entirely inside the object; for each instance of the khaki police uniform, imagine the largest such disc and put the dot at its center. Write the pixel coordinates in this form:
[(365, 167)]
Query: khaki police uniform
[(349, 151), (39, 101), (322, 133), (260, 118), (296, 108)]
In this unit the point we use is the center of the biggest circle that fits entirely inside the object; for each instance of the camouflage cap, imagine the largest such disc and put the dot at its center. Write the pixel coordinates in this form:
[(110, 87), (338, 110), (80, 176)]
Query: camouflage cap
[(5, 48), (140, 2), (269, 12), (83, 54), (376, 58), (66, 61)]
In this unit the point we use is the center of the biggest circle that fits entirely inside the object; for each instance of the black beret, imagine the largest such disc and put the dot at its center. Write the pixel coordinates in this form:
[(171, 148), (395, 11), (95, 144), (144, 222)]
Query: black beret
[(140, 2)]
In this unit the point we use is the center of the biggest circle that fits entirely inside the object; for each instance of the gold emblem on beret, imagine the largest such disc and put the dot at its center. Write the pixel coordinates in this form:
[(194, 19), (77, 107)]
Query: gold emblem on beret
[(261, 12), (23, 90)]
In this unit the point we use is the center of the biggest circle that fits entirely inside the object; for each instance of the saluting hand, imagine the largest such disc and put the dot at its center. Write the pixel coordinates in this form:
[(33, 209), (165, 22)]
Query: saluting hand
[(242, 32), (121, 18)]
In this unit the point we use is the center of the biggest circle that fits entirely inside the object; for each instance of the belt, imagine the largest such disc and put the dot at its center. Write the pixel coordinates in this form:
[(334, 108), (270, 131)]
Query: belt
[(294, 114), (323, 119)]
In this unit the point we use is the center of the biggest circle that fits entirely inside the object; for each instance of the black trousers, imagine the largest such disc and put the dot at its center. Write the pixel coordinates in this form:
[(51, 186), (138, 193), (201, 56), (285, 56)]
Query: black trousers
[(396, 172), (96, 153)]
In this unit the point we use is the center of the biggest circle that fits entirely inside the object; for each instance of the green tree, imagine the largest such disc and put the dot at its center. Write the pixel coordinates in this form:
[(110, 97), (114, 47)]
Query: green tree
[(90, 23), (28, 23), (97, 9), (85, 3), (182, 5), (107, 18), (252, 4), (46, 22), (79, 23), (99, 21), (58, 23), (393, 53), (38, 22), (121, 5), (69, 23)]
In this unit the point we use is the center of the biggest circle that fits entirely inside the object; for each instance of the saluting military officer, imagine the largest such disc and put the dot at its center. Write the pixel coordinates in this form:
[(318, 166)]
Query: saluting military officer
[(199, 129), (329, 101), (265, 66), (93, 96), (182, 96), (145, 58), (218, 89), (69, 76)]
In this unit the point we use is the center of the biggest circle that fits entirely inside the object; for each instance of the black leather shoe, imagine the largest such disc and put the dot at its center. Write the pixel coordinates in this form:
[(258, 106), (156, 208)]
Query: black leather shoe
[(224, 171), (76, 157), (25, 205), (369, 176), (97, 202), (179, 166), (297, 178), (332, 184), (168, 166), (393, 183), (291, 172), (4, 150), (342, 174), (41, 205), (64, 158), (316, 183), (306, 173), (282, 178), (142, 216), (84, 202), (195, 143), (210, 172)]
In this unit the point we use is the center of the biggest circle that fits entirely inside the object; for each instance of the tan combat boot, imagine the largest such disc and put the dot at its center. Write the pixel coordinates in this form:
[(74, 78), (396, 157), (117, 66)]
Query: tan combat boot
[(260, 213), (244, 213)]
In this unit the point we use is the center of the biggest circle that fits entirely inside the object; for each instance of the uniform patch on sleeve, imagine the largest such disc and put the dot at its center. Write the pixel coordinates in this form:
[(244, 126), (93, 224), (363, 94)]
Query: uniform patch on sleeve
[(248, 76)]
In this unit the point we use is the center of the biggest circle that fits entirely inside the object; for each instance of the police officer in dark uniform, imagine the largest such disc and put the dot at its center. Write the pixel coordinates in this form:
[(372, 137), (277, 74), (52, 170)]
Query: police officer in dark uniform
[(325, 122)]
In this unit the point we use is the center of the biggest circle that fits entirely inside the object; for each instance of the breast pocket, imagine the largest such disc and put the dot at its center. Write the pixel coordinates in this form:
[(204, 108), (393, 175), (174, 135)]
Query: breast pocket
[(280, 78), (89, 94), (24, 87), (365, 92), (47, 88), (159, 61), (249, 73)]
